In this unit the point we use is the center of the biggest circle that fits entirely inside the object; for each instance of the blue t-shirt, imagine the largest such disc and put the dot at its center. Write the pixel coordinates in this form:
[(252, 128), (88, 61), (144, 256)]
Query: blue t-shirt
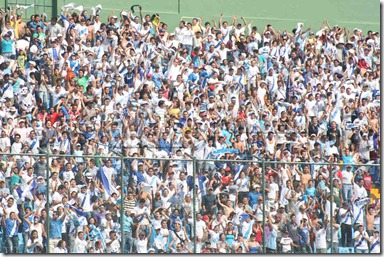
[(310, 191), (55, 228), (127, 223), (157, 79), (6, 46), (252, 197), (271, 241), (262, 61), (11, 227), (304, 234)]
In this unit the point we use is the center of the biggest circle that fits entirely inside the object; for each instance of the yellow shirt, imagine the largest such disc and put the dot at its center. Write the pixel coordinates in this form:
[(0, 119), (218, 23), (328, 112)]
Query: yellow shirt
[(21, 61), (196, 28), (174, 111)]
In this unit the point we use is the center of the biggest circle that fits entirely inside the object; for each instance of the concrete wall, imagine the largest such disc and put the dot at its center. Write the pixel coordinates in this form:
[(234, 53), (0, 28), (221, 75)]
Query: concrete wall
[(364, 14)]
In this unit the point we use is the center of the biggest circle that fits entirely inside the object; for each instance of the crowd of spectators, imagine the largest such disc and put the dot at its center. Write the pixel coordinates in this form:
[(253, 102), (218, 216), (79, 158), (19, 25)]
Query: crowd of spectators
[(83, 92)]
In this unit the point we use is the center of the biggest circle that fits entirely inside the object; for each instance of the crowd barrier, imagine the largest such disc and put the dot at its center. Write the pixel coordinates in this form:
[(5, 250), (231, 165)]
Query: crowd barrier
[(196, 168)]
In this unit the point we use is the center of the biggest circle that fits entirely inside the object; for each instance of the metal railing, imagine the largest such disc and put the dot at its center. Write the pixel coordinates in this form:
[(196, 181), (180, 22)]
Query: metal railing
[(125, 173)]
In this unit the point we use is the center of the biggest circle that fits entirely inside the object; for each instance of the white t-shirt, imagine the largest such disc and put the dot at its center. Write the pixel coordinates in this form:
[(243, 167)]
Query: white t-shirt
[(361, 243), (85, 201), (57, 197), (7, 210), (347, 177), (376, 248), (68, 175), (360, 192), (114, 247), (310, 106), (273, 190), (226, 32), (137, 210), (141, 245), (200, 227), (60, 250), (187, 37), (347, 219), (4, 143), (80, 246), (286, 244), (16, 148), (321, 239)]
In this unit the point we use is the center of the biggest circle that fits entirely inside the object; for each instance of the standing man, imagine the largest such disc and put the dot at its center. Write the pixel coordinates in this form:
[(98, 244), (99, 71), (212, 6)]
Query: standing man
[(56, 226), (11, 225), (128, 239), (209, 202), (346, 215), (321, 236)]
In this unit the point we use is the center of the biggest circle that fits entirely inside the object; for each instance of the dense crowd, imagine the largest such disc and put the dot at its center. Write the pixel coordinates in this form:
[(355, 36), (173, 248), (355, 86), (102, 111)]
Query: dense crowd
[(210, 99)]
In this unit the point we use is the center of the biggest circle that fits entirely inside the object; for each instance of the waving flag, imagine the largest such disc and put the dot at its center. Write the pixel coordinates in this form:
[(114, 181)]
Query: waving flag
[(79, 212), (202, 180), (33, 186), (363, 202), (19, 191), (244, 216), (238, 169), (225, 150), (109, 188), (28, 190)]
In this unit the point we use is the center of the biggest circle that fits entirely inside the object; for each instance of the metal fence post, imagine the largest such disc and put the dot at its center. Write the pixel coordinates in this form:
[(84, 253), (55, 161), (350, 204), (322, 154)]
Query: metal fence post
[(47, 203), (122, 205), (194, 203), (263, 186), (47, 166), (331, 203), (121, 157), (178, 6), (194, 168), (54, 8)]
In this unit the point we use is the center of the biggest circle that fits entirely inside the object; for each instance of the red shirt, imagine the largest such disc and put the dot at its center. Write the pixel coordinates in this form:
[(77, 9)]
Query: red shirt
[(367, 181), (73, 115), (242, 115), (225, 180), (53, 117)]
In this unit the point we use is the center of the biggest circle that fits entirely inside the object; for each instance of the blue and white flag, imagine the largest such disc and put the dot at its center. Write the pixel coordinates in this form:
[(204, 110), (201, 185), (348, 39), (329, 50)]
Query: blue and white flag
[(238, 169), (19, 191), (33, 186), (79, 212), (225, 150), (109, 188)]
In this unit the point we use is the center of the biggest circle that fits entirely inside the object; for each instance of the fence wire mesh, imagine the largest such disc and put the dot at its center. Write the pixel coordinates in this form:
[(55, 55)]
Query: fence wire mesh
[(118, 204)]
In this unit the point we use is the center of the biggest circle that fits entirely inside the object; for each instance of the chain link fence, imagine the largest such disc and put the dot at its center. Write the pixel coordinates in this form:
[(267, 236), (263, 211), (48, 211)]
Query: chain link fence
[(138, 205)]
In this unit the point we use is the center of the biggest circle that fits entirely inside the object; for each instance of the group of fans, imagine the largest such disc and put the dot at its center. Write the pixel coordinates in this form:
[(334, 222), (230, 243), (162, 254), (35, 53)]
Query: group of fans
[(239, 139)]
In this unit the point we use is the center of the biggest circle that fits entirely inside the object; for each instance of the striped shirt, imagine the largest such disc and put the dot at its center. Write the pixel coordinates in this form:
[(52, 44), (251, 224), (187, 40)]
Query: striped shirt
[(129, 204)]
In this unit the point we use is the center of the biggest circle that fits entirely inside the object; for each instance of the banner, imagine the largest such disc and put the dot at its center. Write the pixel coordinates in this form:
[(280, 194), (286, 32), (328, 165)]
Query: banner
[(226, 150)]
